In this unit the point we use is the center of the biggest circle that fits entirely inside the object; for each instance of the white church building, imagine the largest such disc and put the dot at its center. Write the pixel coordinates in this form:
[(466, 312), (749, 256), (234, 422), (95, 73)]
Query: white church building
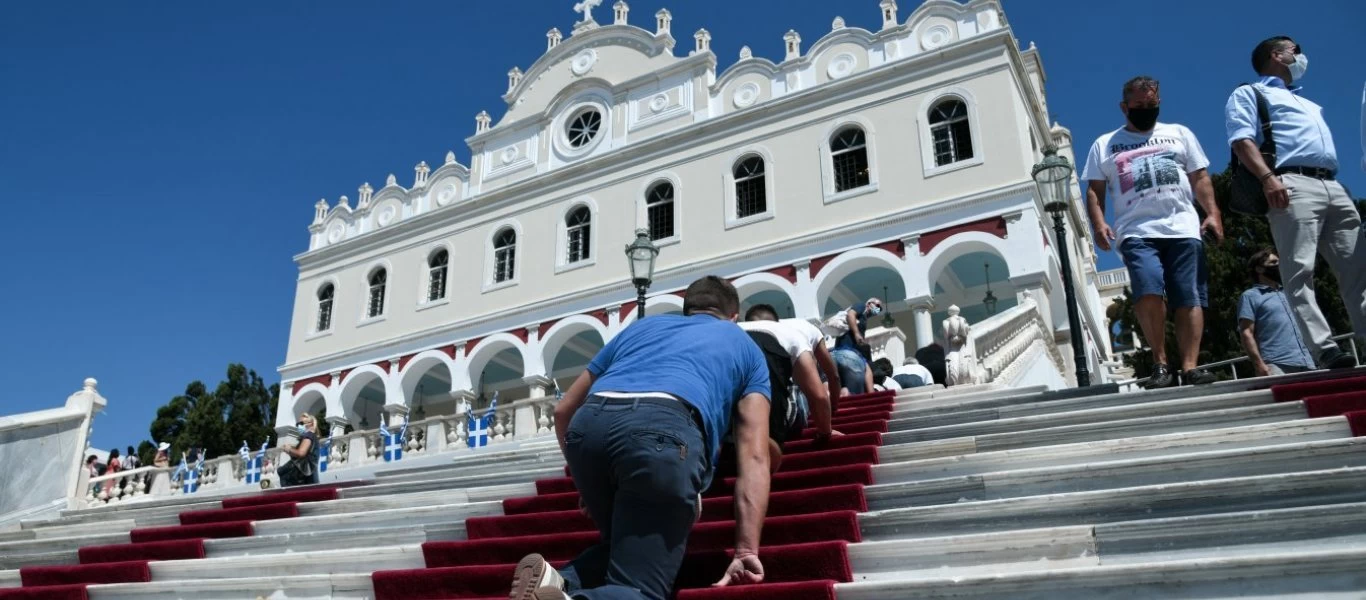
[(893, 162)]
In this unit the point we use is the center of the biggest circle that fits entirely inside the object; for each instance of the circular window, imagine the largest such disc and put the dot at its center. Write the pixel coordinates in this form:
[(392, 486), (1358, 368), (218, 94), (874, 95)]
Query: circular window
[(583, 128)]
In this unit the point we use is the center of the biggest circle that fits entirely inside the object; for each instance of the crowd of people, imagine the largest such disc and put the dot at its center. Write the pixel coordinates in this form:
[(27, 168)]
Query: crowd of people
[(1157, 175)]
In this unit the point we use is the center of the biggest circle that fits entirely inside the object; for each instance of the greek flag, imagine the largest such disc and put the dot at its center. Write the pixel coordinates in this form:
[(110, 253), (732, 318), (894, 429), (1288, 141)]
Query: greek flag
[(479, 428), (393, 441), (189, 476), (253, 463), (326, 452)]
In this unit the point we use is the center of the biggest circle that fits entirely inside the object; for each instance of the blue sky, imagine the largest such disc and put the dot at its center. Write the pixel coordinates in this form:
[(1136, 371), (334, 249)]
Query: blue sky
[(160, 164)]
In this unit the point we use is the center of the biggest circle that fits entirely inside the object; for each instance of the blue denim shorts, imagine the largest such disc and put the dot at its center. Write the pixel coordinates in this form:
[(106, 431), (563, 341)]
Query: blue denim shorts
[(1171, 267)]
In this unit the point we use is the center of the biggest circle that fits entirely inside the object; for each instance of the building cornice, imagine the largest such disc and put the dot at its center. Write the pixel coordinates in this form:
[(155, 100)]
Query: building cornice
[(682, 141)]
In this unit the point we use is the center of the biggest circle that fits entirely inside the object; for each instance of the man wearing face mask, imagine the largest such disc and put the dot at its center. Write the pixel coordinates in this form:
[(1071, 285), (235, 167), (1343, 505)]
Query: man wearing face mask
[(1266, 326), (1310, 212), (1157, 174), (850, 347)]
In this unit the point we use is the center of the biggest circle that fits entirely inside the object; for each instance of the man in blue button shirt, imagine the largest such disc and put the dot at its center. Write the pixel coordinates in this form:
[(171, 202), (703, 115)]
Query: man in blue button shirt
[(1310, 212), (641, 429), (1266, 327)]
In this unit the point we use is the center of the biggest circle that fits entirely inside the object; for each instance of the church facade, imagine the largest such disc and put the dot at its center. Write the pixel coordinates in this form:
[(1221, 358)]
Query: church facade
[(892, 163)]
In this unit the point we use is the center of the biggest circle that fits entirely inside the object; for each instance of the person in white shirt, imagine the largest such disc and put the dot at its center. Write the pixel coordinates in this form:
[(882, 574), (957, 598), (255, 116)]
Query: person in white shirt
[(803, 345), (1157, 172), (910, 374)]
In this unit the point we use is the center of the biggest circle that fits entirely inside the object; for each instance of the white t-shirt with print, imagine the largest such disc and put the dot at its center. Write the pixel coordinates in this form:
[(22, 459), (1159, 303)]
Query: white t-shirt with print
[(796, 336), (1146, 175)]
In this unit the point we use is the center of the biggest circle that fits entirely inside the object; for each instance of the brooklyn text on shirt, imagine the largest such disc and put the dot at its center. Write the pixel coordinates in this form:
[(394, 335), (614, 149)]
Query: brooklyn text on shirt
[(1157, 141)]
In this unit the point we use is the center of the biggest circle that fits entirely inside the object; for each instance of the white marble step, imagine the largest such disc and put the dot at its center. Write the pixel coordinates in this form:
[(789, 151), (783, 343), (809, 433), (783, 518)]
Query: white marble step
[(1330, 575), (996, 409), (1261, 492), (69, 529), (899, 462), (350, 586), (446, 514), (909, 429), (1104, 430)]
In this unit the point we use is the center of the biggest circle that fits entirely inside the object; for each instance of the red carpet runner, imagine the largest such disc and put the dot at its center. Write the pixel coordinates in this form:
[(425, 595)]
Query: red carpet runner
[(813, 515)]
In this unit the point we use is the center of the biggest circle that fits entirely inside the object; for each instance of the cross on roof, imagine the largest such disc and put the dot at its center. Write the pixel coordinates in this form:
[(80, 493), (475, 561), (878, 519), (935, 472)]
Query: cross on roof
[(586, 7)]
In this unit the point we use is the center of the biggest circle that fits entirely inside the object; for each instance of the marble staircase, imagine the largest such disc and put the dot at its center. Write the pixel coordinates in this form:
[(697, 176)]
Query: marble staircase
[(975, 492)]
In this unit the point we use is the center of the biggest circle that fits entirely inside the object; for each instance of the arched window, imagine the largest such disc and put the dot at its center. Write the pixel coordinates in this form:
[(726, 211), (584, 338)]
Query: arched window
[(504, 255), (751, 198), (325, 294), (951, 132), (436, 275), (578, 224), (659, 209), (378, 280), (849, 159)]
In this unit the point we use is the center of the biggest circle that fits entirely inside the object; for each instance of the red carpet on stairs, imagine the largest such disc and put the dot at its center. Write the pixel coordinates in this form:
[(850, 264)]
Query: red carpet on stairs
[(183, 532), (1357, 421), (813, 515), (60, 592), (113, 572), (277, 497), (1298, 391), (1332, 405), (167, 550), (260, 512)]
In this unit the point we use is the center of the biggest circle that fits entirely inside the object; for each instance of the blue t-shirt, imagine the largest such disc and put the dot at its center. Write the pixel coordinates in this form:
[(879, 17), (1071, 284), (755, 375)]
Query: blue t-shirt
[(1278, 336), (707, 362)]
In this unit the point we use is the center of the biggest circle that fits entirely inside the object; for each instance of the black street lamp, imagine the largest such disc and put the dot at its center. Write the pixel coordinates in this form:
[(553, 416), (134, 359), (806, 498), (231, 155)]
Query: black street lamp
[(887, 320), (990, 300), (1053, 176), (641, 254)]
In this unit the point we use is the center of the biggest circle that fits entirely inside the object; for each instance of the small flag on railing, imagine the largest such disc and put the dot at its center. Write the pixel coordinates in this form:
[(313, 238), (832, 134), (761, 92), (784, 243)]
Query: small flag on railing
[(254, 463), (325, 454), (189, 481), (393, 441), (479, 427)]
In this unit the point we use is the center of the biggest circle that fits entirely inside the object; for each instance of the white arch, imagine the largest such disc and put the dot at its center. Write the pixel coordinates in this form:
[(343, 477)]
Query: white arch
[(656, 305), (961, 244), (754, 283), (420, 365), (350, 387), (305, 397), (488, 348), (562, 331), (854, 260)]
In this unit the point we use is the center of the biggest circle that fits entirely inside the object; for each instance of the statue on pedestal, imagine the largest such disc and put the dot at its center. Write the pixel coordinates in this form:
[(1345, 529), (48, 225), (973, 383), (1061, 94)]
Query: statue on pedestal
[(960, 361)]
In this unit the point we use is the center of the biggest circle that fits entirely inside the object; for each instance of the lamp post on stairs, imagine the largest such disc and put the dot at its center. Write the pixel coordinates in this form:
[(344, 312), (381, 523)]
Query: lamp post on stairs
[(1053, 175)]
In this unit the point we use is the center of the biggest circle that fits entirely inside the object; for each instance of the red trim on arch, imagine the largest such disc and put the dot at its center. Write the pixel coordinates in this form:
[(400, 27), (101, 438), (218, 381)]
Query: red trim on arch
[(788, 272), (819, 263), (325, 379), (894, 246), (540, 332), (995, 226), (519, 333), (342, 376), (600, 314), (403, 361), (627, 308), (469, 346), (449, 350)]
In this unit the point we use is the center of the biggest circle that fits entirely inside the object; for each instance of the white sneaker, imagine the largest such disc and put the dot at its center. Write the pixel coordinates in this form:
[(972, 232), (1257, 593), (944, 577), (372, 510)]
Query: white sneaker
[(533, 578), (551, 592)]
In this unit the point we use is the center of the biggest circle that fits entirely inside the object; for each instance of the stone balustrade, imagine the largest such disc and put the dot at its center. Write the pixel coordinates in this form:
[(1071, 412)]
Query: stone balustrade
[(996, 345)]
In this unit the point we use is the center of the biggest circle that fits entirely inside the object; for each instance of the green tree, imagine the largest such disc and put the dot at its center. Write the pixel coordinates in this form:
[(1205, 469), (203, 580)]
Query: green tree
[(1229, 277), (241, 408)]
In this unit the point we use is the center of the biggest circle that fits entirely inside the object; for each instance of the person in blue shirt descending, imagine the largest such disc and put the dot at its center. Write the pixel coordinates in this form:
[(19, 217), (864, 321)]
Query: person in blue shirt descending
[(1265, 326), (641, 429), (1310, 213)]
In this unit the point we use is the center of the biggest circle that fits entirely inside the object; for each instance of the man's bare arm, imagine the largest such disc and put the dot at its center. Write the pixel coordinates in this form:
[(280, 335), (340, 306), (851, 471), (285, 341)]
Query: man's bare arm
[(751, 486), (851, 318), (817, 394), (570, 403), (830, 370), (1095, 206), (1247, 334), (1204, 196)]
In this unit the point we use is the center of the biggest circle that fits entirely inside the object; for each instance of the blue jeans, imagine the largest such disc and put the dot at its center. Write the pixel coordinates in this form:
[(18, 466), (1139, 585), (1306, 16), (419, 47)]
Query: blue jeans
[(908, 381), (851, 366), (639, 465)]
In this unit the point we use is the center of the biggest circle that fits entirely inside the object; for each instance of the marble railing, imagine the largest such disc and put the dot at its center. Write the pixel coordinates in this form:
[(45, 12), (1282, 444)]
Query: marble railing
[(995, 346), (45, 455), (888, 343)]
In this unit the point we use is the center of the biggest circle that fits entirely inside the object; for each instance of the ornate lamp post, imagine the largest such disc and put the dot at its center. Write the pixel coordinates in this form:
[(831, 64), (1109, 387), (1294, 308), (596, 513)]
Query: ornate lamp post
[(641, 254), (990, 300), (887, 320), (1053, 176)]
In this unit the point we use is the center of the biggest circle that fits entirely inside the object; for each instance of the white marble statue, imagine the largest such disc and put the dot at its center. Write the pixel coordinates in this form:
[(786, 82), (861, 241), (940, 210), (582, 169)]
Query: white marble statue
[(960, 361)]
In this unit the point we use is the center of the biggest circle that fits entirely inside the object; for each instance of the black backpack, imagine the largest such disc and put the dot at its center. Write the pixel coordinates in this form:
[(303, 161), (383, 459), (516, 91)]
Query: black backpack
[(1245, 189)]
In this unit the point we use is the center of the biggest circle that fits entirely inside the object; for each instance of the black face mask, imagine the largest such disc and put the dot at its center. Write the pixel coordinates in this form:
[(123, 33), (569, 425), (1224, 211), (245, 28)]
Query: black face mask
[(1143, 119), (1272, 273)]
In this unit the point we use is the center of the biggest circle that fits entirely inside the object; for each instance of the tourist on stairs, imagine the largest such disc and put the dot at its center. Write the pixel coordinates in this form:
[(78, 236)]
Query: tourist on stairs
[(1265, 324), (1309, 211), (1157, 174), (795, 352), (641, 429), (302, 468), (851, 347)]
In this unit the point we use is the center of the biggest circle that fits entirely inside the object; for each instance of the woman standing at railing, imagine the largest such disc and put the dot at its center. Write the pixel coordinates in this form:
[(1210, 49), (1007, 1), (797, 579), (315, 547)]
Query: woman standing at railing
[(302, 468), (110, 469)]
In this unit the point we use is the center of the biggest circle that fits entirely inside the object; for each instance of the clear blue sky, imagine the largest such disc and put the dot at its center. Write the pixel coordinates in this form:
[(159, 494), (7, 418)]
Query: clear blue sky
[(160, 164)]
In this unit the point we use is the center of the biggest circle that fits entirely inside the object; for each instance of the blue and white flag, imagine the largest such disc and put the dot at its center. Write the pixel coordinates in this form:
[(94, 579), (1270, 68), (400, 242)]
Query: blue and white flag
[(479, 427), (189, 476), (393, 441), (253, 463), (325, 454)]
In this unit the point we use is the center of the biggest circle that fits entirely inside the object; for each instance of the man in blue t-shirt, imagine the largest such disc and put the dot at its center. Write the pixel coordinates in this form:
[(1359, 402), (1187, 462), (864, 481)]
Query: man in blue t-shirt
[(1266, 326), (641, 430)]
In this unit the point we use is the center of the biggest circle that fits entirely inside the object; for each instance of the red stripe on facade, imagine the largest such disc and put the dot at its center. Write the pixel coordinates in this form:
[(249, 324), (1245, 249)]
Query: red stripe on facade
[(628, 308), (789, 273), (469, 346), (519, 333), (995, 226), (893, 246), (403, 361), (819, 263), (600, 314), (325, 379), (540, 332)]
